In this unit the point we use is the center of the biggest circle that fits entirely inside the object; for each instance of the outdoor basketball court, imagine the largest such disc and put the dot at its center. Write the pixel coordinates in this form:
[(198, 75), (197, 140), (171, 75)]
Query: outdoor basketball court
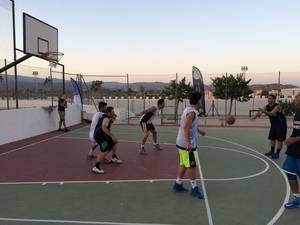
[(49, 181)]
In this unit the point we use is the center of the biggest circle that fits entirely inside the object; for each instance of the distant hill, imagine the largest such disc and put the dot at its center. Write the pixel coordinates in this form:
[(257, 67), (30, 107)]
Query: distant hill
[(270, 87), (26, 82)]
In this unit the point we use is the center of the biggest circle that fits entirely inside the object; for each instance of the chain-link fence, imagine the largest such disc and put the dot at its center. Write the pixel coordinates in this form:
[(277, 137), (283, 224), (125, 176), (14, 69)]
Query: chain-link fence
[(133, 93)]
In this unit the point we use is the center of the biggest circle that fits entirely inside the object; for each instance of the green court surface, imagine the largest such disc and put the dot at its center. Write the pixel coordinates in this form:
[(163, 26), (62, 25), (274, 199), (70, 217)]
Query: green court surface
[(241, 185)]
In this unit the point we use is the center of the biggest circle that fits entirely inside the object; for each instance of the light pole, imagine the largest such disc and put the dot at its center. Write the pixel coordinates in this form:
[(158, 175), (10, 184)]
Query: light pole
[(244, 69)]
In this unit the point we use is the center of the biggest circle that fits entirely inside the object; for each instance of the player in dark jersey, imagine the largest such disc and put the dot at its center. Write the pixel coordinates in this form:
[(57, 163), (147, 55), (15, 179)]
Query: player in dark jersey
[(278, 128), (291, 164), (147, 125), (105, 139)]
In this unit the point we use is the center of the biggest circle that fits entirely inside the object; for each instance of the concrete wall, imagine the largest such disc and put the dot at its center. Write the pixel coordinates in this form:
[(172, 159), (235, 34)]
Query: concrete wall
[(24, 123)]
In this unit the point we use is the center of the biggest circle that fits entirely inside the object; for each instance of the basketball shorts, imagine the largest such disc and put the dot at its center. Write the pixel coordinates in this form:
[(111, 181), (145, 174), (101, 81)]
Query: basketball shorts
[(278, 133), (187, 159), (105, 143), (147, 126)]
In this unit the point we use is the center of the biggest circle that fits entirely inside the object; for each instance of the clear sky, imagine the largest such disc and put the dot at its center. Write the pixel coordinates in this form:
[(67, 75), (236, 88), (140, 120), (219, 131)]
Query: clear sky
[(169, 36)]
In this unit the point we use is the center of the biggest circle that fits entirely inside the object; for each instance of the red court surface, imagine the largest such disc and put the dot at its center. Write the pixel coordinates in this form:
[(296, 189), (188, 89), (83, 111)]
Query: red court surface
[(65, 159)]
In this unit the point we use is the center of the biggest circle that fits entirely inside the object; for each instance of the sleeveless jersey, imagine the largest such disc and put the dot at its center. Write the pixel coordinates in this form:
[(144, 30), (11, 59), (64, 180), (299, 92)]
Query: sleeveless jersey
[(180, 141), (149, 116), (279, 119)]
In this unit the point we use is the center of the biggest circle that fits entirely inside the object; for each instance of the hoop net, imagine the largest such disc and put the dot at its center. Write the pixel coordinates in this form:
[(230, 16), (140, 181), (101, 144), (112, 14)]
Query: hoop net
[(53, 58)]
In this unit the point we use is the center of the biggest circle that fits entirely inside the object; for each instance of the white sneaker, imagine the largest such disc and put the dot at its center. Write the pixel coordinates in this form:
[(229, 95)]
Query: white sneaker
[(116, 160), (96, 170)]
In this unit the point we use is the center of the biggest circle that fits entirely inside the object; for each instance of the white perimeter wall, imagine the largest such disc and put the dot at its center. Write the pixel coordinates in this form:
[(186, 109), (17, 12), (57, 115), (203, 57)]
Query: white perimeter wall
[(24, 123)]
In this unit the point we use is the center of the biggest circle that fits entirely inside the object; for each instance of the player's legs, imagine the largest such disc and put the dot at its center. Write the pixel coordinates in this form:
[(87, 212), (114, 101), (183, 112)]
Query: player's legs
[(187, 162), (145, 137), (178, 185), (279, 145), (106, 144), (62, 121), (291, 166), (281, 136), (94, 146), (100, 159), (272, 149), (154, 137), (114, 157)]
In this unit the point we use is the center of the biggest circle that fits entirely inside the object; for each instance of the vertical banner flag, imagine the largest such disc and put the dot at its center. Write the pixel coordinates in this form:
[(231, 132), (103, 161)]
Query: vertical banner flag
[(198, 86), (76, 93)]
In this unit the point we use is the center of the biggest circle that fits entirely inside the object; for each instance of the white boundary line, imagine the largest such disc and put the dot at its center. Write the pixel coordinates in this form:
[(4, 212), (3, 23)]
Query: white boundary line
[(267, 166), (208, 211), (288, 191), (73, 221), (38, 142)]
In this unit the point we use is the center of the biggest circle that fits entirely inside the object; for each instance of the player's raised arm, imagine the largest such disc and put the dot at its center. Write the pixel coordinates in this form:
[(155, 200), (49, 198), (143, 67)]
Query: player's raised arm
[(259, 113), (273, 112)]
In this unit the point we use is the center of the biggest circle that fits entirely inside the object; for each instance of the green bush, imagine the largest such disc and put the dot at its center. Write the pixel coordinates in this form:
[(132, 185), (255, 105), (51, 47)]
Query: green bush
[(288, 108)]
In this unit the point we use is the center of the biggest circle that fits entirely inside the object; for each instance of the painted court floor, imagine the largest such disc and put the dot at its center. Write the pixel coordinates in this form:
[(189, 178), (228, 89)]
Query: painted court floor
[(48, 180)]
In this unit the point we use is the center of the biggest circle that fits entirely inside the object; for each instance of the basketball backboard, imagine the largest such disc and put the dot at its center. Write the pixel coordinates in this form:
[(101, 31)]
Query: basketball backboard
[(38, 36)]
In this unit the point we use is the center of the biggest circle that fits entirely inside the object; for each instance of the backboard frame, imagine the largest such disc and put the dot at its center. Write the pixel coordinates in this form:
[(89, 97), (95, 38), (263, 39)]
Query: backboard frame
[(35, 41)]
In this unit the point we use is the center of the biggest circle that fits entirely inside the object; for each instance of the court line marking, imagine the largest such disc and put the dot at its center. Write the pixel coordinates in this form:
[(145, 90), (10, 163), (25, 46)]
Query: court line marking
[(288, 191), (37, 142), (72, 221), (267, 166), (208, 210)]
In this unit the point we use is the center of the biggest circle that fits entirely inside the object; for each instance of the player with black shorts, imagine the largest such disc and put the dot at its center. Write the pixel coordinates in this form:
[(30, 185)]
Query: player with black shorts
[(105, 139), (147, 126), (278, 128), (291, 164)]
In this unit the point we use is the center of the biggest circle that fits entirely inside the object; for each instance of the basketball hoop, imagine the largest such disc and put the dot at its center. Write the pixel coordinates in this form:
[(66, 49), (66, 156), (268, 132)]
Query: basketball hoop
[(53, 58)]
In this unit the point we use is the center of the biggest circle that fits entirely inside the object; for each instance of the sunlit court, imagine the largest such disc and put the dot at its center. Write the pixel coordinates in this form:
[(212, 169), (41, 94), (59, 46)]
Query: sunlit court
[(149, 112)]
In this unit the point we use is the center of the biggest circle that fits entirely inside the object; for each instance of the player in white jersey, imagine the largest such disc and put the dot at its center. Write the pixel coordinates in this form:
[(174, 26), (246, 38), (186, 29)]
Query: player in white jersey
[(102, 108), (186, 143), (147, 125)]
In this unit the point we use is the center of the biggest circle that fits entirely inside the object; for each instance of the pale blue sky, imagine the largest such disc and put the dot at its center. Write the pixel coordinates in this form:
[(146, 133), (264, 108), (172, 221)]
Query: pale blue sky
[(169, 36)]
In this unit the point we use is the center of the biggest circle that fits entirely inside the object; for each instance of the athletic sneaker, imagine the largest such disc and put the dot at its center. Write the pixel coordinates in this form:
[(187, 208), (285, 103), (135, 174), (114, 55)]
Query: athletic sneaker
[(60, 129), (179, 188), (115, 159), (270, 153), (293, 203), (275, 156), (157, 147), (196, 193), (143, 151), (97, 170)]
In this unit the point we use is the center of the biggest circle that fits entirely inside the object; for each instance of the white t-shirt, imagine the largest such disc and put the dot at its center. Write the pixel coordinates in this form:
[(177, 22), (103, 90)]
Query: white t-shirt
[(95, 120), (193, 128)]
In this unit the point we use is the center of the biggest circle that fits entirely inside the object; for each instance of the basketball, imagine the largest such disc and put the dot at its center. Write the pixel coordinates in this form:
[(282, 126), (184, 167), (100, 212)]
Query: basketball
[(230, 120)]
